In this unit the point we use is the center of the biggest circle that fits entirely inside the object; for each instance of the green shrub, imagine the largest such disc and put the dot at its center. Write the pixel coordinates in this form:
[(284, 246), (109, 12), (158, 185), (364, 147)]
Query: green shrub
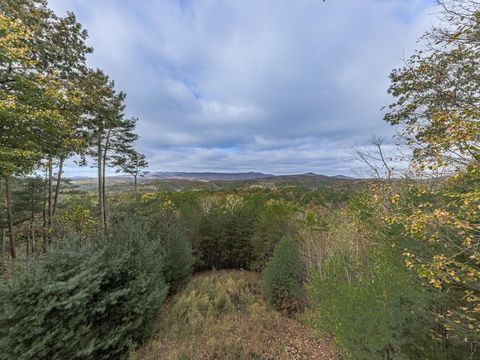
[(282, 278), (84, 302), (380, 315)]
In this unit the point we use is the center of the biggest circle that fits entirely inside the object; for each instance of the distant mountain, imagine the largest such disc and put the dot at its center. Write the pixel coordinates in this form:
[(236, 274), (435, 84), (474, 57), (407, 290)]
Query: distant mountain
[(79, 177), (307, 176), (218, 176), (207, 175)]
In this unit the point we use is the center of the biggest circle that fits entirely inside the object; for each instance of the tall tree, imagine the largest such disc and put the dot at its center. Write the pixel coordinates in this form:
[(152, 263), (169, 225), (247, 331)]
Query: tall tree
[(107, 130), (42, 55), (21, 110), (438, 106), (119, 141)]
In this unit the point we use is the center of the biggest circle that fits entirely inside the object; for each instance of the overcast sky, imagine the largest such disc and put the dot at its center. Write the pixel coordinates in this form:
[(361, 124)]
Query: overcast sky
[(278, 86)]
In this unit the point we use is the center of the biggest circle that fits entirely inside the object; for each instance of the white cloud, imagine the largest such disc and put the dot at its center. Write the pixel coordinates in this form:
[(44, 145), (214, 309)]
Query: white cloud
[(269, 85)]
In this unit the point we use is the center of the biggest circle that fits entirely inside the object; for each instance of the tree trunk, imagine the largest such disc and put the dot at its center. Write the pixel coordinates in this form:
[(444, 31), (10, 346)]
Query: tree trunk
[(135, 184), (2, 268), (104, 166), (104, 194), (8, 193), (44, 232), (50, 201), (103, 188), (100, 185), (32, 223), (57, 186)]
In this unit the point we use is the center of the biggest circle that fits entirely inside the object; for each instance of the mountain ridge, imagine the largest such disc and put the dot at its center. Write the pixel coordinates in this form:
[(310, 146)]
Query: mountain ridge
[(219, 176)]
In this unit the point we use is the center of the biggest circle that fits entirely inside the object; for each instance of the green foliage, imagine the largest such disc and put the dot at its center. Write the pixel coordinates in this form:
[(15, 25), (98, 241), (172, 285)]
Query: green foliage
[(85, 302), (436, 104), (274, 223), (234, 229), (381, 314), (27, 194), (224, 231), (131, 162), (42, 57), (282, 278), (178, 259), (436, 101)]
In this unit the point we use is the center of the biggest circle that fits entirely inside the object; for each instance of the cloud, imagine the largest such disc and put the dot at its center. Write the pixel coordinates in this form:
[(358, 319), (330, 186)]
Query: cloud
[(270, 85)]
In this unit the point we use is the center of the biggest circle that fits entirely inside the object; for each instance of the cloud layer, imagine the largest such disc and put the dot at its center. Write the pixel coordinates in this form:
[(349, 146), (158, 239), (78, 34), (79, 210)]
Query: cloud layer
[(279, 86)]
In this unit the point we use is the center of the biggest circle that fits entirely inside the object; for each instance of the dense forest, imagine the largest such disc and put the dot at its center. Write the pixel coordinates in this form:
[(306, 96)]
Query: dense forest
[(382, 268)]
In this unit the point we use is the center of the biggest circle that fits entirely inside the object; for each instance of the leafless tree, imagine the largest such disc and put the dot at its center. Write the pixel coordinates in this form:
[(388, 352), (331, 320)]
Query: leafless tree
[(376, 159)]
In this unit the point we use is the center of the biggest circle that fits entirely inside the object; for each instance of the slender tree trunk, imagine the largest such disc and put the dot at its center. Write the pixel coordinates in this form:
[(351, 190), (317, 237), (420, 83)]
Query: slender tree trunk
[(50, 200), (57, 186), (32, 220), (104, 189), (8, 193), (2, 268), (100, 185), (104, 193), (104, 166), (44, 232), (135, 184)]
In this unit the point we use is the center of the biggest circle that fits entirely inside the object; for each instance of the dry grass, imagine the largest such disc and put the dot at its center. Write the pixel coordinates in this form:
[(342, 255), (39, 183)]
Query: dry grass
[(223, 315)]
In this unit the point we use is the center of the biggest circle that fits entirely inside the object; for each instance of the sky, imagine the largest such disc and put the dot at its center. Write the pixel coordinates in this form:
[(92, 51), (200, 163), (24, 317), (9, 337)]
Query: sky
[(278, 86)]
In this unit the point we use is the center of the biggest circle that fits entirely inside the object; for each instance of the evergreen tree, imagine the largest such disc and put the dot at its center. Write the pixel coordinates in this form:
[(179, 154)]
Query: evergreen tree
[(282, 277)]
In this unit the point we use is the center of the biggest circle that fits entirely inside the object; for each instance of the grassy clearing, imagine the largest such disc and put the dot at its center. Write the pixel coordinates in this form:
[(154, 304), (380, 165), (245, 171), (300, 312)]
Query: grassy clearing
[(223, 315)]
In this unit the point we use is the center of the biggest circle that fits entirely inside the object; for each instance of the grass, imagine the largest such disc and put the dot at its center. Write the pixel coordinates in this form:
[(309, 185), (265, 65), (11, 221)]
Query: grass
[(223, 315)]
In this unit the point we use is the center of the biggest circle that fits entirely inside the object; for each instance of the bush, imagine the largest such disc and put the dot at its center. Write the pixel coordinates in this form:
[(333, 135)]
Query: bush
[(282, 278), (84, 302), (382, 315)]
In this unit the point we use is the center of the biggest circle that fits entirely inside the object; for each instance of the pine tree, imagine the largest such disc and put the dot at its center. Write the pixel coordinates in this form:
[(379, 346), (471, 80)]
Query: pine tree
[(131, 162), (108, 131), (282, 278)]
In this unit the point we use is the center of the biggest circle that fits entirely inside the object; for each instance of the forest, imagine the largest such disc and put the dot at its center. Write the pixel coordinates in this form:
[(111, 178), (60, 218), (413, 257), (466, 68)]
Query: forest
[(384, 267)]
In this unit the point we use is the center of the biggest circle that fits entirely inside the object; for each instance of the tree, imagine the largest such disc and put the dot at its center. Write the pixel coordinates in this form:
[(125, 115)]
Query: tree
[(438, 106), (119, 140), (21, 110), (108, 132), (133, 163), (282, 277), (376, 160), (41, 55), (437, 98), (94, 300)]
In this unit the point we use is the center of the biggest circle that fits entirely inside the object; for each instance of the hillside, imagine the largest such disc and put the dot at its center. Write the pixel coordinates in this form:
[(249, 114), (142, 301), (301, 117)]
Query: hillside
[(207, 175), (223, 315), (163, 181)]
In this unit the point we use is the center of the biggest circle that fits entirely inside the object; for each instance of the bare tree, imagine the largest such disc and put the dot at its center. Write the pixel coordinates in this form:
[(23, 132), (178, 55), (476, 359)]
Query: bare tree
[(376, 158)]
